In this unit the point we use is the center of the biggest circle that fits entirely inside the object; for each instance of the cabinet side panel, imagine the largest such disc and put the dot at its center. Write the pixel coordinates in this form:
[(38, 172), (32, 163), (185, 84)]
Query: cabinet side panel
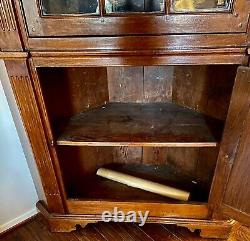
[(231, 144), (68, 91), (237, 195), (206, 89), (23, 89), (4, 78)]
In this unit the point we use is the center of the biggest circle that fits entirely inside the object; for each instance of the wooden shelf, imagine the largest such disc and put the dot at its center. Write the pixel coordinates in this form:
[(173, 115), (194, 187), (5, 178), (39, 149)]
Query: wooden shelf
[(132, 124)]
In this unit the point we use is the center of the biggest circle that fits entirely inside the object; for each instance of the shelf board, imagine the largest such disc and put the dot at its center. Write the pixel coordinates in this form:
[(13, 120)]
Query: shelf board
[(136, 124)]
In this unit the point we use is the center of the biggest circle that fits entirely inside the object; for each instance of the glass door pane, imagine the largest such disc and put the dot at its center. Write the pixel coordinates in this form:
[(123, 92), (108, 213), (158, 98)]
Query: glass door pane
[(113, 6), (200, 5), (60, 7)]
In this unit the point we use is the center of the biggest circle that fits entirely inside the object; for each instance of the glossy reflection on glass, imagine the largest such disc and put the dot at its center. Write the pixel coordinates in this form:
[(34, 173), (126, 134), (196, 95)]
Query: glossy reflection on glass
[(58, 7), (200, 5), (134, 6)]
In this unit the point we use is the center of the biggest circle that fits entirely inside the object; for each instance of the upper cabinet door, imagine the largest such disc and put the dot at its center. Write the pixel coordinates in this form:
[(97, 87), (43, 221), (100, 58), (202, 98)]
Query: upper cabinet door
[(132, 17), (235, 153)]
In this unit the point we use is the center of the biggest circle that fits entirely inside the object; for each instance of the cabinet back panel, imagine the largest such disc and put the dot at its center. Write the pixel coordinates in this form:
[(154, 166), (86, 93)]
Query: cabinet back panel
[(206, 89), (140, 84), (68, 91)]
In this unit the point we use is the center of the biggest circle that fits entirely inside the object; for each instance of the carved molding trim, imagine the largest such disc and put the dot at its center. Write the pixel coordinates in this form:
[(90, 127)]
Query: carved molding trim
[(7, 17), (19, 78), (23, 89)]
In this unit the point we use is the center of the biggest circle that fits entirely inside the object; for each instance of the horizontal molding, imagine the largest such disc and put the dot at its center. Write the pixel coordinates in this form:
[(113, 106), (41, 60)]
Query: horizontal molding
[(96, 61), (162, 43), (13, 55)]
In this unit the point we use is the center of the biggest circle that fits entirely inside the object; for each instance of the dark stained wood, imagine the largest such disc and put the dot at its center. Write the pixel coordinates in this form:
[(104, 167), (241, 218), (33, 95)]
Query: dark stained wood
[(205, 167), (109, 232), (137, 82), (184, 159), (187, 161), (140, 84), (236, 187), (232, 158), (183, 233), (170, 44), (206, 89), (191, 86), (179, 167), (83, 60), (156, 155), (196, 163), (158, 232), (40, 225), (168, 212), (235, 21), (37, 230), (125, 234), (158, 83), (133, 230), (78, 92), (78, 165), (146, 45), (237, 194), (86, 185), (146, 63), (117, 124), (132, 59), (68, 91), (89, 233), (126, 154), (136, 232), (125, 84), (208, 231), (221, 84)]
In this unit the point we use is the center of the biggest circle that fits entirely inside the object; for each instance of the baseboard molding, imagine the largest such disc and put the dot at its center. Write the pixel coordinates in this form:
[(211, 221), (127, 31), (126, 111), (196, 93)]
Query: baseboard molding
[(11, 224)]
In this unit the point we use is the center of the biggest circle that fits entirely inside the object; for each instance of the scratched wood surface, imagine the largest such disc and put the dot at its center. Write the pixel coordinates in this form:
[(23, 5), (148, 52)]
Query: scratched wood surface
[(195, 89), (37, 230), (121, 124)]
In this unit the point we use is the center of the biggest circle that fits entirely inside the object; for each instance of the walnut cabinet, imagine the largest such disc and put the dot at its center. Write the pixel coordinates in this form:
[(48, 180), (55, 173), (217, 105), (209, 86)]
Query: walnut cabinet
[(156, 89)]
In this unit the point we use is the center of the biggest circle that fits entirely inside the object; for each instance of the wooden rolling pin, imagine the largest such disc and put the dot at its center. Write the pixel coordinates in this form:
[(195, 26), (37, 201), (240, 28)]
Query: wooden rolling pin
[(143, 184)]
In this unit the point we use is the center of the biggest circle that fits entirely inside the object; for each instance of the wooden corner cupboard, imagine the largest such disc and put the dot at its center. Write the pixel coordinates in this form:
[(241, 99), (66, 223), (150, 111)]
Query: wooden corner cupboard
[(159, 89)]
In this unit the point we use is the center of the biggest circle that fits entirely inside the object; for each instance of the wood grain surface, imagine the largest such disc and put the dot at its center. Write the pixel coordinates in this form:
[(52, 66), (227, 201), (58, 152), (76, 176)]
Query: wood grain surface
[(37, 230), (120, 124)]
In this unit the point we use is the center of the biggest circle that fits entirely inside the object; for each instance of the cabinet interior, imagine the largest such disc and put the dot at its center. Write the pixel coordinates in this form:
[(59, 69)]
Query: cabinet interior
[(161, 123)]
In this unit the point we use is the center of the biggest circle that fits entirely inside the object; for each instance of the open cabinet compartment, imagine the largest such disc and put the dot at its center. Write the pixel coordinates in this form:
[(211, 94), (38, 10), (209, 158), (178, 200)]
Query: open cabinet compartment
[(161, 123)]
